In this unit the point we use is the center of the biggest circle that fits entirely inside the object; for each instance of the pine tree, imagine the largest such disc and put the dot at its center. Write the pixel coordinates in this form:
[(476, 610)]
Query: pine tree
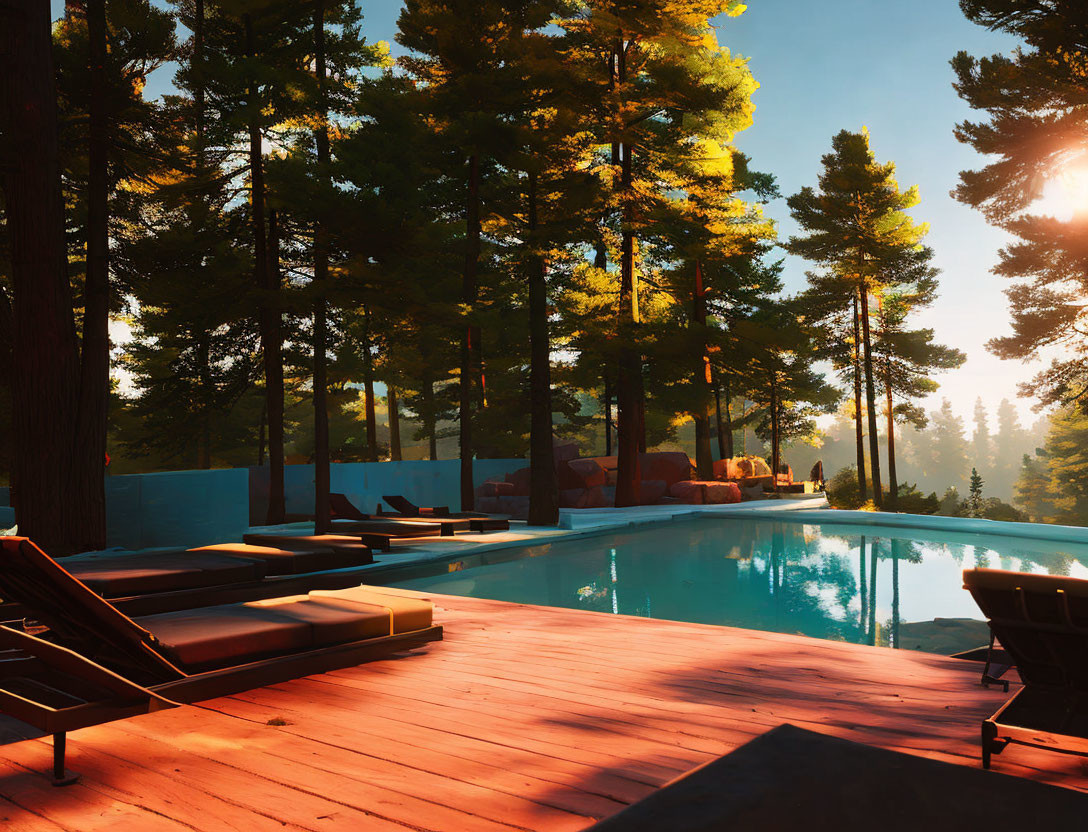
[(1034, 100), (1036, 492), (666, 81), (713, 240), (974, 494), (982, 445), (1010, 443), (855, 225), (907, 358), (946, 454), (458, 51)]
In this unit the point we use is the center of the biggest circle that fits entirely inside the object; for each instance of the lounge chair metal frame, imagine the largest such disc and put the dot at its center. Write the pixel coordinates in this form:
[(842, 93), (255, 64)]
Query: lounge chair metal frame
[(57, 688), (1030, 615)]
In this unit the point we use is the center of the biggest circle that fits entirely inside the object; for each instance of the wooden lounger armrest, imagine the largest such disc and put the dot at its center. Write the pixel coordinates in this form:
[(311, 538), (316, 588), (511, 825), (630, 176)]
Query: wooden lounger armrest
[(72, 663)]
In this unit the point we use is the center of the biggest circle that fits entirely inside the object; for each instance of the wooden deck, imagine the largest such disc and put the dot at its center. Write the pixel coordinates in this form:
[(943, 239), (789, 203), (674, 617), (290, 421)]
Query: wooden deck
[(523, 718)]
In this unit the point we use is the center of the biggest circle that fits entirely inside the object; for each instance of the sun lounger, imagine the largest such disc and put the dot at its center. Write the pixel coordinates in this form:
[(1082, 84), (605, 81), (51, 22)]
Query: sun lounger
[(793, 779), (180, 656), (476, 521), (346, 518), (160, 581), (405, 508), (1041, 622)]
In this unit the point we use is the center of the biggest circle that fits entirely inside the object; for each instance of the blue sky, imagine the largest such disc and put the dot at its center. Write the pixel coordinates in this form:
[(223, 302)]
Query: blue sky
[(826, 66), (834, 64)]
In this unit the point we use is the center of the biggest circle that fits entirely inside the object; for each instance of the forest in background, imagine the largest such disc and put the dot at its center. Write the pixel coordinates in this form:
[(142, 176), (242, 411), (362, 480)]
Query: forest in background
[(534, 224)]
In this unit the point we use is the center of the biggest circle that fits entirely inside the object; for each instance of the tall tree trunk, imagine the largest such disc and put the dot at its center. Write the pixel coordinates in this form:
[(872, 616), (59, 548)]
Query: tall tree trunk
[(368, 392), (394, 423), (267, 282), (430, 420), (893, 481), (725, 427), (859, 438), (322, 472), (775, 437), (260, 437), (704, 458), (207, 392), (608, 424), (95, 358), (49, 462), (543, 488), (600, 261), (629, 381), (870, 401), (468, 348)]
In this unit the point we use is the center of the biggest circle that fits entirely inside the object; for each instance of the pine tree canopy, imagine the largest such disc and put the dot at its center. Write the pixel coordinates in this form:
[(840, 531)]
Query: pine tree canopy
[(1036, 104)]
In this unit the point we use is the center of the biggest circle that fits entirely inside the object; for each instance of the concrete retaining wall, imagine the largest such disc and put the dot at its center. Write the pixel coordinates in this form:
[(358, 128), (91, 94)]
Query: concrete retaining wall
[(194, 508), (424, 482)]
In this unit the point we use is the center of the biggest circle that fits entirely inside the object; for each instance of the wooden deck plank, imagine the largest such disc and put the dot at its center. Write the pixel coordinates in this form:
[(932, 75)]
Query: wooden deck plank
[(523, 718)]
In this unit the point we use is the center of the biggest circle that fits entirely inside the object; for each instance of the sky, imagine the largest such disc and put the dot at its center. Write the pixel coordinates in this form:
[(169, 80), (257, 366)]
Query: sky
[(847, 64)]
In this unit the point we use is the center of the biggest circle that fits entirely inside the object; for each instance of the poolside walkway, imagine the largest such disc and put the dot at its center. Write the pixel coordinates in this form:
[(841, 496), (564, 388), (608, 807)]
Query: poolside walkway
[(523, 718), (574, 523)]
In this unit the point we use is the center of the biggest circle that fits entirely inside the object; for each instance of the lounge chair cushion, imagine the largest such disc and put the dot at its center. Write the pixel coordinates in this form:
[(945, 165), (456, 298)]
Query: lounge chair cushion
[(286, 562), (405, 612), (231, 634), (309, 543), (119, 575)]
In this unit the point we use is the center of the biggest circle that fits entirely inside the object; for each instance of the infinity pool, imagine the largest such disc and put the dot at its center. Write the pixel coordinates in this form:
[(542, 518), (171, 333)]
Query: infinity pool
[(865, 584)]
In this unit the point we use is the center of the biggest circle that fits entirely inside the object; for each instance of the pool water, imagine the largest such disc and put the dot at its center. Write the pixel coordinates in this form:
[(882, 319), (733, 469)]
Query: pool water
[(897, 587)]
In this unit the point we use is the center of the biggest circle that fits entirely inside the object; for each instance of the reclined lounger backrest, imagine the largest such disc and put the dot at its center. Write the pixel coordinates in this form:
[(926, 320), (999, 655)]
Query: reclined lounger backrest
[(1040, 620), (341, 507), (79, 619), (402, 504)]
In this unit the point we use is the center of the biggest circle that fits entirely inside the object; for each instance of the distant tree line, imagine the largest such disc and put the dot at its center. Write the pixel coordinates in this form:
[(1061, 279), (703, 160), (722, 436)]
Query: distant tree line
[(535, 222)]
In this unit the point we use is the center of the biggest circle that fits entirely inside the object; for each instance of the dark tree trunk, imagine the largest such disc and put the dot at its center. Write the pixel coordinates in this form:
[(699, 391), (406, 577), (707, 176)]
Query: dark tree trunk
[(859, 437), (394, 423), (543, 488), (870, 402), (95, 359), (54, 498), (7, 365), (641, 390), (204, 443), (322, 474), (704, 457), (629, 381), (430, 426), (197, 63), (775, 437), (600, 261), (272, 349), (368, 392), (468, 347), (893, 481), (266, 279), (607, 414), (725, 427), (260, 437)]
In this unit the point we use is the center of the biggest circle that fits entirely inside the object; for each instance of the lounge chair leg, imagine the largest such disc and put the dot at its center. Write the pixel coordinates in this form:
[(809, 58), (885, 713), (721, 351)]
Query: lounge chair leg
[(60, 776), (990, 743)]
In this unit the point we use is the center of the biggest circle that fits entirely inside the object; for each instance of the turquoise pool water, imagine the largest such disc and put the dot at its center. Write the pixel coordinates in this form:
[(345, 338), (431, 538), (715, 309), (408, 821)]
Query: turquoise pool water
[(871, 585)]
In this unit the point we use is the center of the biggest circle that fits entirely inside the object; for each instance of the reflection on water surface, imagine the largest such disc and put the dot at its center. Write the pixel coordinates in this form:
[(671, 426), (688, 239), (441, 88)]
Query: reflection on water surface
[(883, 586)]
